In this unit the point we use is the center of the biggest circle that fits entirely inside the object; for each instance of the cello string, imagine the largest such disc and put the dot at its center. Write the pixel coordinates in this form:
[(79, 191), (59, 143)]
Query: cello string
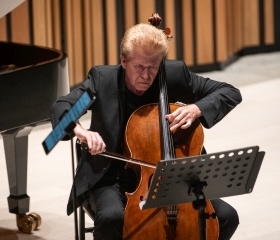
[(165, 109)]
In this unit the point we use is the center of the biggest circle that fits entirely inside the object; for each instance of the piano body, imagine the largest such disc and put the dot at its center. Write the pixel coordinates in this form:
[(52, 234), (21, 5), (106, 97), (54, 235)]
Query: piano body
[(31, 79)]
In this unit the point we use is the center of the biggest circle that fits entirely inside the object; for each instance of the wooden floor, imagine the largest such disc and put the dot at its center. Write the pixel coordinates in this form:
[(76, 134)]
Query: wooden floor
[(255, 122)]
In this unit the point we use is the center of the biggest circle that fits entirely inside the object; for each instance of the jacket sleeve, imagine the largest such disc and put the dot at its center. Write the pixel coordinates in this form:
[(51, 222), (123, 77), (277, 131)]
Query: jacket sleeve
[(215, 99), (64, 103)]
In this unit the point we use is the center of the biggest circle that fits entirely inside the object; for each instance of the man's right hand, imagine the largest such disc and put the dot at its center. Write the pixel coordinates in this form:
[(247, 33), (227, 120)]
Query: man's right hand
[(92, 139)]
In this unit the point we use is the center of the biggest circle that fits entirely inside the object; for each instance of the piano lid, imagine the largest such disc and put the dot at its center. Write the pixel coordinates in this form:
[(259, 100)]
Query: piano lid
[(31, 79), (8, 5)]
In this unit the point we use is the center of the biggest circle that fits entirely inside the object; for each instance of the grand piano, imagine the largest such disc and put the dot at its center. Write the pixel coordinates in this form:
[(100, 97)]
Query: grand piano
[(31, 79)]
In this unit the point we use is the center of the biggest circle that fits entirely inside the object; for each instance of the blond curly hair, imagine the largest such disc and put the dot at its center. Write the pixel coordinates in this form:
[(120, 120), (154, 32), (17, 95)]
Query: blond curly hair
[(147, 37)]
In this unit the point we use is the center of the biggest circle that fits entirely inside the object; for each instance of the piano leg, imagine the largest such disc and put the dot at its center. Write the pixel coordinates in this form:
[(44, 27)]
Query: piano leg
[(16, 151)]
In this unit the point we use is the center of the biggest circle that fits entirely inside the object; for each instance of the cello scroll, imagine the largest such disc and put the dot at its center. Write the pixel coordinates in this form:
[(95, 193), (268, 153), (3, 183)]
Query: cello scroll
[(155, 20)]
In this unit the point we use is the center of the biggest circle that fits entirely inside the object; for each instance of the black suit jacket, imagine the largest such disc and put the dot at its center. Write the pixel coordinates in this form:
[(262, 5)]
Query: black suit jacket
[(215, 99)]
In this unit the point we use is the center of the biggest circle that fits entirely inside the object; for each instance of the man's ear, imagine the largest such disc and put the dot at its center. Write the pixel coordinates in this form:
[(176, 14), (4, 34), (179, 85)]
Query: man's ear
[(123, 62)]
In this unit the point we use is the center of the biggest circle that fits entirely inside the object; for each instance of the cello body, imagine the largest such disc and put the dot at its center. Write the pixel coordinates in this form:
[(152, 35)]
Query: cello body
[(142, 141)]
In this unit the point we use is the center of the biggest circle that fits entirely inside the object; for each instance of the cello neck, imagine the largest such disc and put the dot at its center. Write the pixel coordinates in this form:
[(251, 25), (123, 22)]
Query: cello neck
[(167, 146)]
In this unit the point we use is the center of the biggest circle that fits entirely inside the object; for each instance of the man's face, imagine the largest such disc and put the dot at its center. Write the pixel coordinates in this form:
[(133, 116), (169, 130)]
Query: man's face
[(140, 70)]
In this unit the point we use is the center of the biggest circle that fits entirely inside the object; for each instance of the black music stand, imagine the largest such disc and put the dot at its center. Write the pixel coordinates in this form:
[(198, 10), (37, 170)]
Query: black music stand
[(210, 176)]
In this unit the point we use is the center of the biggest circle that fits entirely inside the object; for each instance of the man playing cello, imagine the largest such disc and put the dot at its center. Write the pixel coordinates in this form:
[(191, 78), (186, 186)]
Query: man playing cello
[(120, 90)]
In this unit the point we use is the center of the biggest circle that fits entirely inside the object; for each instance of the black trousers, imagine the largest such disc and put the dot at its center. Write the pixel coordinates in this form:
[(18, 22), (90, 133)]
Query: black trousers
[(108, 204)]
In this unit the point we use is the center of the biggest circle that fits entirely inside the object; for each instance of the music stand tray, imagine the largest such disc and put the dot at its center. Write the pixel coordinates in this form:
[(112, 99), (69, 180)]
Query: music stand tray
[(221, 174)]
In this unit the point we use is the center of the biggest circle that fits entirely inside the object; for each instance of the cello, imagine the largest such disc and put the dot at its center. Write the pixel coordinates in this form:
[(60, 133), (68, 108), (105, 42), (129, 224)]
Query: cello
[(176, 222)]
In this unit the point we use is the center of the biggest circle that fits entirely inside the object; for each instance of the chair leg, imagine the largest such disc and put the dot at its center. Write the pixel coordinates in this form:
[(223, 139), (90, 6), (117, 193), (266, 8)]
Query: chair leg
[(82, 223)]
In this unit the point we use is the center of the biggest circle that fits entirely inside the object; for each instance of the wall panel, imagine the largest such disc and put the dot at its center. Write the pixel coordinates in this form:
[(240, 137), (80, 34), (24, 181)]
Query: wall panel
[(41, 23), (207, 33), (3, 29), (88, 28), (235, 26), (74, 40), (97, 34), (55, 28), (187, 35), (251, 23), (111, 32), (221, 29), (20, 27), (169, 22), (268, 22), (145, 9), (129, 13), (204, 28)]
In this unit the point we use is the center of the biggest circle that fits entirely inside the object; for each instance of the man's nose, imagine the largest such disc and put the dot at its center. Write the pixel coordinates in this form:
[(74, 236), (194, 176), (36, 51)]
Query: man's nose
[(145, 73)]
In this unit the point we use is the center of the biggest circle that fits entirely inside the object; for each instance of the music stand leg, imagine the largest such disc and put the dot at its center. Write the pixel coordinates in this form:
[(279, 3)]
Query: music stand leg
[(200, 205)]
